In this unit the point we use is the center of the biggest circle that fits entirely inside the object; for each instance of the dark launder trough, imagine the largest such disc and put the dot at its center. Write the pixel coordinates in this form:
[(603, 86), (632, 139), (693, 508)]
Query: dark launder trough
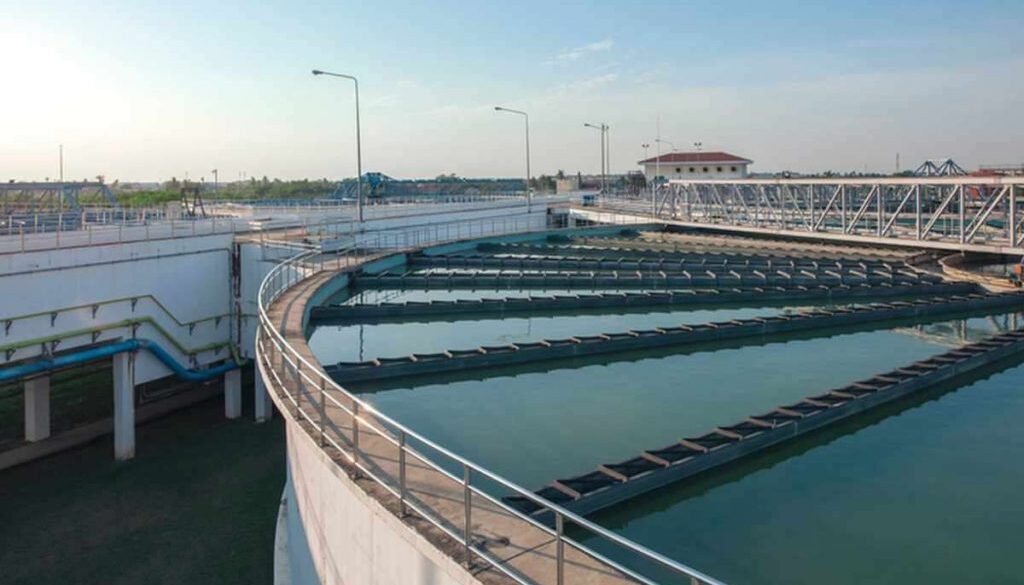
[(484, 357), (723, 277), (614, 483), (693, 297)]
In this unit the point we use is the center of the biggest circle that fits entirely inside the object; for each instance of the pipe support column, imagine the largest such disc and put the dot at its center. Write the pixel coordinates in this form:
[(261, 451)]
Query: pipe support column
[(37, 408), (124, 406), (233, 393)]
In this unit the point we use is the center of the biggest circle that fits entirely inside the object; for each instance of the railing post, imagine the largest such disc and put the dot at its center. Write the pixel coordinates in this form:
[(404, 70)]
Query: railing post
[(297, 372), (467, 496), (962, 216), (323, 411), (355, 429), (559, 550), (1011, 201), (401, 473)]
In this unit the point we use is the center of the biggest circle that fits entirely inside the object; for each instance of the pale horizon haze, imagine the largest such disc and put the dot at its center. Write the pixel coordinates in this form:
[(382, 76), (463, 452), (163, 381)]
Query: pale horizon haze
[(143, 91)]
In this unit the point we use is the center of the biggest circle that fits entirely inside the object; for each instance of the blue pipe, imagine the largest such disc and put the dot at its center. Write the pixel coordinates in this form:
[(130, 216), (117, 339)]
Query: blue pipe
[(88, 355)]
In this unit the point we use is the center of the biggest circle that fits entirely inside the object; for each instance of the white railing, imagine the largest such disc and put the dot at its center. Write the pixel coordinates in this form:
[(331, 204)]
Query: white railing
[(947, 212), (301, 384), (20, 236)]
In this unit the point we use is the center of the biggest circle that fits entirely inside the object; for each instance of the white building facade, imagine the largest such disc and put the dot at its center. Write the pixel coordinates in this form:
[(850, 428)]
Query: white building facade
[(696, 165)]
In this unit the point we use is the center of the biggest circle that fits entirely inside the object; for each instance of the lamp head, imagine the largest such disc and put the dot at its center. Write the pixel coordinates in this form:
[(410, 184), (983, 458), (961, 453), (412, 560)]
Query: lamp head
[(317, 72)]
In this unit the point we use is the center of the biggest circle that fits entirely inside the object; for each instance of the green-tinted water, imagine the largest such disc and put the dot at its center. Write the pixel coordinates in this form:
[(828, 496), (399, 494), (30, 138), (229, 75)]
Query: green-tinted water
[(334, 343), (535, 426), (921, 493)]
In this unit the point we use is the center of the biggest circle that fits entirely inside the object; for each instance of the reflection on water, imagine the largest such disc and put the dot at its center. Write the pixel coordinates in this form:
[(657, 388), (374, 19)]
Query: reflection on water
[(922, 491), (334, 343), (963, 331), (536, 425), (372, 297)]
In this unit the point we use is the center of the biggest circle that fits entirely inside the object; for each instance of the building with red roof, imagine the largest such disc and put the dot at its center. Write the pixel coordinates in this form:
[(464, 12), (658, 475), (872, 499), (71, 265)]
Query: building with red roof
[(696, 165)]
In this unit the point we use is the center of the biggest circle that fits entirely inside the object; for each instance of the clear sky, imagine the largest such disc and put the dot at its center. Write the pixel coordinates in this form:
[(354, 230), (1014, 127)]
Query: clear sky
[(145, 90)]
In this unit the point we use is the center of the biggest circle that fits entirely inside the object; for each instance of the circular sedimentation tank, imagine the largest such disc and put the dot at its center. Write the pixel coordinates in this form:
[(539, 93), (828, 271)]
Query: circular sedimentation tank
[(557, 362)]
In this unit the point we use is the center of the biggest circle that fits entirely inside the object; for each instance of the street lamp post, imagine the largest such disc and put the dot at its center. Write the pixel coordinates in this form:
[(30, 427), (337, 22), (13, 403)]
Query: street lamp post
[(529, 193), (608, 149), (603, 129), (359, 146), (645, 146)]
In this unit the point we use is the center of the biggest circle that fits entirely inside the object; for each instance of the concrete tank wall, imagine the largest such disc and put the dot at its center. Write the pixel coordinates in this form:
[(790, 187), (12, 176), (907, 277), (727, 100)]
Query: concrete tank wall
[(348, 536)]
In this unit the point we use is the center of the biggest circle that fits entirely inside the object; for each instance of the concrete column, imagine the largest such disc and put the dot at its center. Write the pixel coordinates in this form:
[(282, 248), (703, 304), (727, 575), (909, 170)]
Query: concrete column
[(37, 408), (124, 406), (233, 393), (264, 408)]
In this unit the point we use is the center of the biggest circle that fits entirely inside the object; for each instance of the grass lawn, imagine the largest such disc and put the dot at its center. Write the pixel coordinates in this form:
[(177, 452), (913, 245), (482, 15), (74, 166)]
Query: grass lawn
[(198, 504)]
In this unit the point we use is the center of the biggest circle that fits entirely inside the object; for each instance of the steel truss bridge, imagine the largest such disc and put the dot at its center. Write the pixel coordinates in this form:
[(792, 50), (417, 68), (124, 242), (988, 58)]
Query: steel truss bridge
[(51, 196), (962, 213)]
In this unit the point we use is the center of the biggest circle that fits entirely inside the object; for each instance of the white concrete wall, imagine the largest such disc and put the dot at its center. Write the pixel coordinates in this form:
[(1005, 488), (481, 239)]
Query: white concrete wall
[(671, 171), (188, 276), (349, 537), (401, 232), (256, 263)]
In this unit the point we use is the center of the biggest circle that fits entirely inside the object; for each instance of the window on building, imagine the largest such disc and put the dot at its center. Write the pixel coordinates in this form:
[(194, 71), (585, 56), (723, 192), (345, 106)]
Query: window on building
[(733, 169), (705, 169), (678, 170), (719, 169), (692, 170)]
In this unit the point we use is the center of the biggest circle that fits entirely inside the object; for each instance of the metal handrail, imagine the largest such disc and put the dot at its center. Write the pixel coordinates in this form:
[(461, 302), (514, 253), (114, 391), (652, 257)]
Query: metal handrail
[(25, 238), (364, 415)]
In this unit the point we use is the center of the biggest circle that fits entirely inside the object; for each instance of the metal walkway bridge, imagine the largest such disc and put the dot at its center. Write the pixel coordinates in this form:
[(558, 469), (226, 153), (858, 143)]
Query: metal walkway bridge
[(981, 214)]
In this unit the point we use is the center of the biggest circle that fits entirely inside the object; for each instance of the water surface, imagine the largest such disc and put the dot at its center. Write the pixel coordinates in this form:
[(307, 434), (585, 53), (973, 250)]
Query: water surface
[(536, 426), (928, 494), (334, 343)]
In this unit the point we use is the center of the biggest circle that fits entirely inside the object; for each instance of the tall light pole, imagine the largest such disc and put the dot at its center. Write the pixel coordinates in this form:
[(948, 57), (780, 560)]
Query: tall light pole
[(359, 145), (603, 129), (60, 199), (608, 149), (529, 193), (215, 181), (645, 146)]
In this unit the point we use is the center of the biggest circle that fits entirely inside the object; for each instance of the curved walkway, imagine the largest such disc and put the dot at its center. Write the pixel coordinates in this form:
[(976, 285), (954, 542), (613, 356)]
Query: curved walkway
[(509, 539)]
